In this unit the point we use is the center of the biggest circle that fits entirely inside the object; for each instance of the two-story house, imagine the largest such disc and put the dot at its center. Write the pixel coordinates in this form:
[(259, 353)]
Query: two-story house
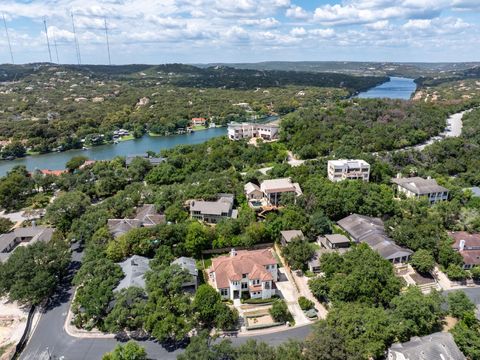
[(239, 131), (247, 271), (212, 212), (274, 189), (468, 245), (339, 170), (416, 187)]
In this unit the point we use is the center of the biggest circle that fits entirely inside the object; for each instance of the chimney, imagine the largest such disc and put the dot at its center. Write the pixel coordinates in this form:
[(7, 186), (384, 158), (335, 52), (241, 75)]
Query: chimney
[(461, 245), (399, 175), (233, 252), (33, 223), (429, 177)]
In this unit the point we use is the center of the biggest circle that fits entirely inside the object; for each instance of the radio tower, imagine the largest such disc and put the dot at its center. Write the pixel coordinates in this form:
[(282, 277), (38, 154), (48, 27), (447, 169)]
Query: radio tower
[(8, 38), (48, 42), (77, 47), (55, 46), (108, 44)]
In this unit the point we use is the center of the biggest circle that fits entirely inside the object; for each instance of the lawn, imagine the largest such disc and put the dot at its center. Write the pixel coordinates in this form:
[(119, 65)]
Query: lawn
[(199, 127), (126, 138)]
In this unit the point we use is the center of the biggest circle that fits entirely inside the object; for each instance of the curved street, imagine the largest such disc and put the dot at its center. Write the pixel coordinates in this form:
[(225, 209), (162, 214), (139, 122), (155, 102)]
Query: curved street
[(50, 341)]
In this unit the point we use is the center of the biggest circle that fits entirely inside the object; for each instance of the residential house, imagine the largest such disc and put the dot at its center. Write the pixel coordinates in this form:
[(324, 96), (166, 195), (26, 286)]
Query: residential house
[(328, 244), (199, 121), (288, 235), (440, 345), (273, 189), (134, 269), (239, 131), (369, 230), (188, 264), (339, 170), (152, 160), (252, 191), (252, 273), (212, 212), (146, 216), (46, 172), (416, 187), (468, 245), (23, 236)]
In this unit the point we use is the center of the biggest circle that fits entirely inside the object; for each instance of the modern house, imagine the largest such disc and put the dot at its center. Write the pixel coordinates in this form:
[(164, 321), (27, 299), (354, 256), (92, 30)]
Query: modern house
[(468, 245), (23, 236), (439, 346), (328, 244), (146, 216), (152, 160), (369, 230), (288, 235), (339, 170), (271, 192), (212, 212), (239, 131), (134, 269), (416, 187), (252, 272), (333, 241), (188, 264)]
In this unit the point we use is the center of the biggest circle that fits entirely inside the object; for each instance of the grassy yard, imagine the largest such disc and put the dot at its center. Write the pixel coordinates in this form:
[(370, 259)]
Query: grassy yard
[(126, 138), (199, 127)]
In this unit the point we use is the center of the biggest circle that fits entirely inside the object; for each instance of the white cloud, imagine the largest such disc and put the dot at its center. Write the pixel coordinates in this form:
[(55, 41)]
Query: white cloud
[(323, 33), (298, 32), (265, 23), (297, 12), (379, 25)]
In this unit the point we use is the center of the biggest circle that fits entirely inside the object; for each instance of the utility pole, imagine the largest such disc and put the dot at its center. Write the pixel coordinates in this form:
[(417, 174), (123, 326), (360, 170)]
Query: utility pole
[(8, 38), (48, 42), (108, 44)]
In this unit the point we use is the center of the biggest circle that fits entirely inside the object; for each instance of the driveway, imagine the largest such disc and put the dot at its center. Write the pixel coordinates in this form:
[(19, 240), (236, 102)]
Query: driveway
[(290, 294)]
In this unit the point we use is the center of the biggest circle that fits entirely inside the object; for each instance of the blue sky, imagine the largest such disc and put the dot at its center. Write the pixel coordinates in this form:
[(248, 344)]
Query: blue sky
[(200, 31)]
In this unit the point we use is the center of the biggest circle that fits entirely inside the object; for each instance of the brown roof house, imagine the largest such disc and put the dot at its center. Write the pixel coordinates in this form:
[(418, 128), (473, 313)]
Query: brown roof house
[(246, 271), (288, 235), (468, 245), (146, 216)]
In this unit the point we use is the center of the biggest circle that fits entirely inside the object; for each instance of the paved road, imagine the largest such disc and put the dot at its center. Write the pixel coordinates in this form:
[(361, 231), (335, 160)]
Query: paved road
[(50, 341)]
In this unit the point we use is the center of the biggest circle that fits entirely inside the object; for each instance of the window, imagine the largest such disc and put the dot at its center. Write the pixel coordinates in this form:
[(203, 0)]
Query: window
[(244, 276), (235, 283), (244, 285), (224, 292)]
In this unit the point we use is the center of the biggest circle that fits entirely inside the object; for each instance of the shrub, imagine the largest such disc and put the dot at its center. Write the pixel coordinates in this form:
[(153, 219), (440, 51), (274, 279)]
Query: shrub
[(279, 312), (305, 304)]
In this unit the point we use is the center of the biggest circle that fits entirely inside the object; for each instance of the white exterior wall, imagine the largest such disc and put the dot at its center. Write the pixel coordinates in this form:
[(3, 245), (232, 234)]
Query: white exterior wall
[(432, 197), (340, 172), (247, 131)]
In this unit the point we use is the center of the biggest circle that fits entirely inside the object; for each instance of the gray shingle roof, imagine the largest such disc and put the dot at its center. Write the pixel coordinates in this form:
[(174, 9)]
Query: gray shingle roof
[(223, 205), (134, 269), (188, 264), (289, 235), (146, 215), (437, 346), (35, 233), (419, 186), (365, 229)]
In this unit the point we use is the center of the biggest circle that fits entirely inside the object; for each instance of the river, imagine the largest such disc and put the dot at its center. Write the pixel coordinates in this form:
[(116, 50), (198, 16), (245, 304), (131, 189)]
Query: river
[(396, 88)]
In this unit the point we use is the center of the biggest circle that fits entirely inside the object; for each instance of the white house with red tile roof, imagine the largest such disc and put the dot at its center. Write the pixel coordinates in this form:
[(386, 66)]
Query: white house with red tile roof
[(245, 271)]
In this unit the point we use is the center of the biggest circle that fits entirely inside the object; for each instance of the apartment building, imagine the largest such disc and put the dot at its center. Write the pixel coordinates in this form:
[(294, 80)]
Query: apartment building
[(239, 131)]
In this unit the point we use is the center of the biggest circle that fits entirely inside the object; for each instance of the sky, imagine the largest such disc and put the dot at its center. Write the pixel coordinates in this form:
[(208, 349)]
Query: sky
[(206, 31)]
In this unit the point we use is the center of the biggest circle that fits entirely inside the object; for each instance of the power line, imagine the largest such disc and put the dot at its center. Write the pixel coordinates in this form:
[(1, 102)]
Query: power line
[(77, 47), (108, 44), (48, 41), (8, 38)]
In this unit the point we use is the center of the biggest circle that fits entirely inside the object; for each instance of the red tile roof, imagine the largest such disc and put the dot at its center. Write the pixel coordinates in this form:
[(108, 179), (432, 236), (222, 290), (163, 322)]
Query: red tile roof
[(53, 172), (252, 262)]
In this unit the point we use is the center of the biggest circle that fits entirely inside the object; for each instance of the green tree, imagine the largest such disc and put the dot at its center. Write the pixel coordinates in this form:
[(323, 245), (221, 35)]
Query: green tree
[(15, 188), (459, 305), (75, 162), (467, 337), (66, 208), (297, 253), (5, 225), (198, 238), (320, 224), (416, 314), (128, 312), (203, 347), (32, 273), (279, 311), (422, 260), (455, 272), (130, 351), (325, 343), (305, 304)]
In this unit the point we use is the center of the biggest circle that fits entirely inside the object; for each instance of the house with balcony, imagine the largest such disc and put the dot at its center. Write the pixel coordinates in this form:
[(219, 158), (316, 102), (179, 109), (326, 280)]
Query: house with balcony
[(250, 273), (467, 245), (212, 212), (371, 231), (274, 189), (339, 170), (239, 131), (417, 187)]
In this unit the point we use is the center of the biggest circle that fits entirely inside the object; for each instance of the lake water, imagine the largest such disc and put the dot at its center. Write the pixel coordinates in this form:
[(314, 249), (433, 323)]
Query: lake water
[(396, 88)]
